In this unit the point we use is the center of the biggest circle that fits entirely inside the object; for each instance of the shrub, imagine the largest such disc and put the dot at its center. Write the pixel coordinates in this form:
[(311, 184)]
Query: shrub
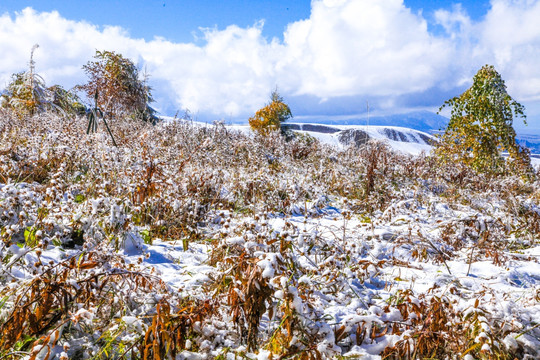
[(480, 127), (27, 94), (23, 95), (120, 91), (302, 145), (270, 117), (65, 100)]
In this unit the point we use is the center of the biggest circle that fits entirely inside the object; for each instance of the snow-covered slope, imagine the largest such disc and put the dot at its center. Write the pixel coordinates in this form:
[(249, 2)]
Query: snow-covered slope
[(406, 140), (402, 139)]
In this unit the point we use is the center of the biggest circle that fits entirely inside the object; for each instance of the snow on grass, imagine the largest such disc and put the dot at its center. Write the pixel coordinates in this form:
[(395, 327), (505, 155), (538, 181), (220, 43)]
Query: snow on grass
[(199, 242)]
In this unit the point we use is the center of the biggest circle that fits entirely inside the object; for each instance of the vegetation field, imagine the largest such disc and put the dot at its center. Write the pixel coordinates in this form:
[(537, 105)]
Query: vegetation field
[(201, 242)]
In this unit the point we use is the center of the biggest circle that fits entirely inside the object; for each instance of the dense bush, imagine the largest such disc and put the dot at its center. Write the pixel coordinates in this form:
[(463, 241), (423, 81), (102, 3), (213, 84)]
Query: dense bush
[(27, 94), (67, 101), (273, 248)]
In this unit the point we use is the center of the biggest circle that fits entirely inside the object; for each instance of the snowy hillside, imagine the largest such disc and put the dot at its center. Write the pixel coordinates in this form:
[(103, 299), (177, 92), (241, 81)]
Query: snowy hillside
[(408, 141), (204, 242), (423, 121)]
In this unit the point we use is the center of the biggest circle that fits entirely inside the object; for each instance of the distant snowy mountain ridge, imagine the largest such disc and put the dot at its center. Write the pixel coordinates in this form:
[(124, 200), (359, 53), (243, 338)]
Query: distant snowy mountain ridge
[(423, 121), (402, 139)]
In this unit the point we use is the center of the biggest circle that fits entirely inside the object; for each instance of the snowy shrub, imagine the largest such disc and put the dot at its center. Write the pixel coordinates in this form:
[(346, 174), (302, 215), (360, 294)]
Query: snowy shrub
[(27, 94), (114, 81)]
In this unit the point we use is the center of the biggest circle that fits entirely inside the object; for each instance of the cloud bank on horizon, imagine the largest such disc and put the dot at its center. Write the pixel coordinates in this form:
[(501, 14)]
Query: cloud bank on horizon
[(346, 52)]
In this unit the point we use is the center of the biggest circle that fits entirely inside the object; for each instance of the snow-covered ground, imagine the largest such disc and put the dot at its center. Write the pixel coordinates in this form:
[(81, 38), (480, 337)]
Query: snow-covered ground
[(193, 242), (410, 141), (535, 161)]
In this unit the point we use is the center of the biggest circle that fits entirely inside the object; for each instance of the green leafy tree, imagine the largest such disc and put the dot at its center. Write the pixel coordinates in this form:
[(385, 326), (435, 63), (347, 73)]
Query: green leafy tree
[(120, 91), (480, 127), (270, 117)]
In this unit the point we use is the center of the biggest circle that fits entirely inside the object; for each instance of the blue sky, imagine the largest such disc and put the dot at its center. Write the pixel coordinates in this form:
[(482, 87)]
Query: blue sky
[(176, 20), (221, 59), (180, 20)]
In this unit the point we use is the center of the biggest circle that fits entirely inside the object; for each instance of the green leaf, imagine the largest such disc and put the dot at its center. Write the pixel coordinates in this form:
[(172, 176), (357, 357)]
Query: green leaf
[(145, 234), (79, 198), (185, 244), (28, 232)]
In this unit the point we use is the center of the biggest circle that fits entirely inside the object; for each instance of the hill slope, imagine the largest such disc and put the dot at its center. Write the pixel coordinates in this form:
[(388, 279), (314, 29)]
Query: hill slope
[(408, 141)]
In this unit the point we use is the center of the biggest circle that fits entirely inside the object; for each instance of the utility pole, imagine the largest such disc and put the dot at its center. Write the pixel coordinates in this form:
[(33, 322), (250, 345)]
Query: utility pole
[(32, 65), (367, 105)]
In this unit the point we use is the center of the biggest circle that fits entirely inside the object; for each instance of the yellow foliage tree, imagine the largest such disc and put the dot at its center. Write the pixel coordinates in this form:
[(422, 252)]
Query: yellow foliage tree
[(270, 117)]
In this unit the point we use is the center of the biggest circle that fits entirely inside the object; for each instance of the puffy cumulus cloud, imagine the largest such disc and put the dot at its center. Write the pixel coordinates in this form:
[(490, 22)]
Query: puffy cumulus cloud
[(346, 52), (51, 31), (509, 38), (65, 44), (231, 74), (363, 47)]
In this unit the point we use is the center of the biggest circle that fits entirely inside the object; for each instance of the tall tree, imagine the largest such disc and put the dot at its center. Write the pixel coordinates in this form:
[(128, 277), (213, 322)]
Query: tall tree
[(481, 127)]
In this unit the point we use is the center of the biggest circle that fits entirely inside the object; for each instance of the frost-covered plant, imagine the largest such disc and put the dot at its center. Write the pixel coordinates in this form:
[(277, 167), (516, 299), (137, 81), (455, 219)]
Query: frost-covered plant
[(120, 91), (272, 284), (67, 101), (435, 329), (273, 254), (27, 94)]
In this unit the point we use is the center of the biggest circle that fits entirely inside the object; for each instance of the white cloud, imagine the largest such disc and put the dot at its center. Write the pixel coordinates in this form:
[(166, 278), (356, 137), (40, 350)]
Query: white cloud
[(346, 48), (230, 74), (65, 45), (510, 39), (363, 47)]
